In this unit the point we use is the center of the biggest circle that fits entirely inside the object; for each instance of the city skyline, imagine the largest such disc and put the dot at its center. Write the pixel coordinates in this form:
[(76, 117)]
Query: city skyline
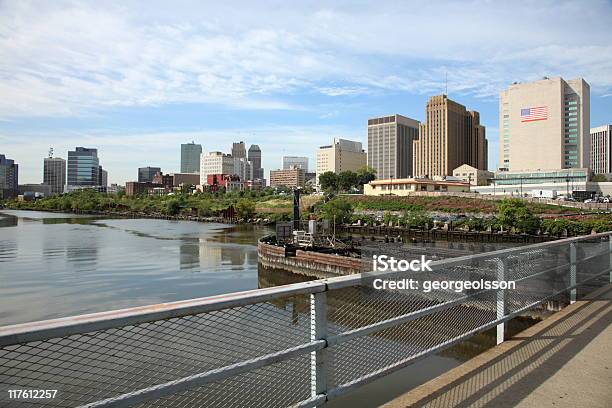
[(288, 79)]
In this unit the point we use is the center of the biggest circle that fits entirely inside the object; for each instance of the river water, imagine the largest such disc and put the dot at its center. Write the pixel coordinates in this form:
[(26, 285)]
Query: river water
[(55, 265)]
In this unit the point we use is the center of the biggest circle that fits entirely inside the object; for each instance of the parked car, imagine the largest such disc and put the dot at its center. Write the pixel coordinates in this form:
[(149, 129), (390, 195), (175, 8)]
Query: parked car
[(589, 200)]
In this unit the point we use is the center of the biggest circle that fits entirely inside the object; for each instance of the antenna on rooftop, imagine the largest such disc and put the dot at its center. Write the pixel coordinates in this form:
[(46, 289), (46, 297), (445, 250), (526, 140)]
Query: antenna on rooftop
[(50, 152), (446, 83)]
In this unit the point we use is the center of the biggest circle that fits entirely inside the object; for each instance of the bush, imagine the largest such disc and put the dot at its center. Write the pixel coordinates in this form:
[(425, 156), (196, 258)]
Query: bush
[(172, 207), (415, 219), (245, 208), (514, 213), (338, 210)]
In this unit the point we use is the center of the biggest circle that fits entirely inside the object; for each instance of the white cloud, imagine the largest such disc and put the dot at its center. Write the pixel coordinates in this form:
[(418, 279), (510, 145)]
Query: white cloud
[(67, 58)]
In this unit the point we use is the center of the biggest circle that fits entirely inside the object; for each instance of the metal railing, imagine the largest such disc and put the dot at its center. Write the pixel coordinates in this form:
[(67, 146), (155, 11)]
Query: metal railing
[(295, 345)]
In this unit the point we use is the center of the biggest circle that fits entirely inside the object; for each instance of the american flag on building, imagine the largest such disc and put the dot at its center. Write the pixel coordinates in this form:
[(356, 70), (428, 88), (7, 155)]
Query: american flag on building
[(534, 113)]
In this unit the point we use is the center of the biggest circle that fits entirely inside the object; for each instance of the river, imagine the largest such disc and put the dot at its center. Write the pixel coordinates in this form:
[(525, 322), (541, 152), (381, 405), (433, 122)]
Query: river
[(55, 265), (63, 264)]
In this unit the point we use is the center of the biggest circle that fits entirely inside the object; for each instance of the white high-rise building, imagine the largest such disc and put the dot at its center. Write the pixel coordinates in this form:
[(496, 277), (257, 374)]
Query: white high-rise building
[(215, 163), (290, 162), (545, 125), (341, 155), (601, 144)]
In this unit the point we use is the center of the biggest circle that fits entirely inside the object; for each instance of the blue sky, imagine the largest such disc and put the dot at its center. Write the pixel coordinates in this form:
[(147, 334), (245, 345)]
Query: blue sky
[(136, 81)]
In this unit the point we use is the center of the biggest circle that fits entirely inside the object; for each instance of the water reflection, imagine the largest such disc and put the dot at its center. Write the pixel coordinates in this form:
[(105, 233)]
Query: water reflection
[(8, 221), (60, 265)]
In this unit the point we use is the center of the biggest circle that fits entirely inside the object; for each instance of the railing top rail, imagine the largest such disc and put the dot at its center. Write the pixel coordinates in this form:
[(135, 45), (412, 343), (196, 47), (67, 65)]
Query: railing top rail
[(65, 326), (79, 324)]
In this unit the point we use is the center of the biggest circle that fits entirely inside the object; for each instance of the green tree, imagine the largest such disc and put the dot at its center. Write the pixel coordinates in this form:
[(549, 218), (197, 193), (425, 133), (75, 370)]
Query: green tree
[(514, 213), (172, 207), (338, 210), (329, 181), (364, 175), (347, 180), (245, 208)]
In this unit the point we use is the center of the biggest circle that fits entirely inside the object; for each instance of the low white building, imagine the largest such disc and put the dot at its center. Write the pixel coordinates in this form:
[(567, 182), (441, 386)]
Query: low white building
[(472, 175)]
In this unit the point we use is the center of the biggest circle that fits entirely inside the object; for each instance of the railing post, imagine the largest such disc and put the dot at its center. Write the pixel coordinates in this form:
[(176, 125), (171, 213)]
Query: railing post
[(318, 331), (610, 248), (501, 299), (572, 272)]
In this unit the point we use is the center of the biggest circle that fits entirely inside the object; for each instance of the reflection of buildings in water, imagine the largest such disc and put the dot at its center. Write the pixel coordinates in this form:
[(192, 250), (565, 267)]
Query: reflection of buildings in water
[(210, 255), (8, 250), (234, 255), (8, 220), (189, 253), (251, 257), (82, 248)]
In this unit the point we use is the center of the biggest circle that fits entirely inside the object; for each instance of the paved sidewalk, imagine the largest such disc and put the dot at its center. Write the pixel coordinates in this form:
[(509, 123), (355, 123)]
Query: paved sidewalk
[(563, 361)]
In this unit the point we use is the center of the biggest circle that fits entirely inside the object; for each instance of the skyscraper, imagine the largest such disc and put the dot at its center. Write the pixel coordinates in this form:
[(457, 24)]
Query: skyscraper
[(450, 137), (54, 174), (341, 155), (545, 125), (102, 177), (9, 178), (190, 157), (255, 159), (83, 167), (295, 161), (601, 144), (390, 141), (239, 150), (145, 174), (243, 168), (215, 163)]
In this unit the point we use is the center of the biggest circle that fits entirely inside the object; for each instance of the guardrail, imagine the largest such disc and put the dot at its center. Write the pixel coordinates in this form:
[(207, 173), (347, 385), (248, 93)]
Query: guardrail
[(294, 345)]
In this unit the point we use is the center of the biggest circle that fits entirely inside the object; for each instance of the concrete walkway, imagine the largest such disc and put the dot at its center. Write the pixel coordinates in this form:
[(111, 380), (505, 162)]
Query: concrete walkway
[(563, 361)]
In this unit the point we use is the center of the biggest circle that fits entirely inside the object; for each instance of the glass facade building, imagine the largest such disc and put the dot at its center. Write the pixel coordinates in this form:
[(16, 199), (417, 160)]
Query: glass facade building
[(190, 157), (541, 177), (83, 167), (9, 177)]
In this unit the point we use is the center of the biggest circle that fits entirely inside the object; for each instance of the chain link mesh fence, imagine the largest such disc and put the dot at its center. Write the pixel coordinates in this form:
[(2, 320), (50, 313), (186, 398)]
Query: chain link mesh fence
[(100, 364)]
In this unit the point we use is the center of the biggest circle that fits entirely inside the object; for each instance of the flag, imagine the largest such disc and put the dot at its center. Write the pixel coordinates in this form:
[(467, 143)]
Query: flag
[(534, 113)]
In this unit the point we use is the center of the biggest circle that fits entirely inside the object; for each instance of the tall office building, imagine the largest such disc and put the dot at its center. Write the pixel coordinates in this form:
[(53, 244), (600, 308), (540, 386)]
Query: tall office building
[(215, 163), (295, 161), (83, 167), (390, 140), (341, 155), (190, 157), (601, 144), (293, 177), (545, 125), (255, 159), (450, 137), (243, 168), (145, 174), (102, 177), (9, 178), (54, 174), (239, 150)]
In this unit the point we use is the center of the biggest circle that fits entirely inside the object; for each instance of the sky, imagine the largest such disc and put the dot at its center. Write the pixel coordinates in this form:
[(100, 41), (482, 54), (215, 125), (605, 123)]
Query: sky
[(136, 79)]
